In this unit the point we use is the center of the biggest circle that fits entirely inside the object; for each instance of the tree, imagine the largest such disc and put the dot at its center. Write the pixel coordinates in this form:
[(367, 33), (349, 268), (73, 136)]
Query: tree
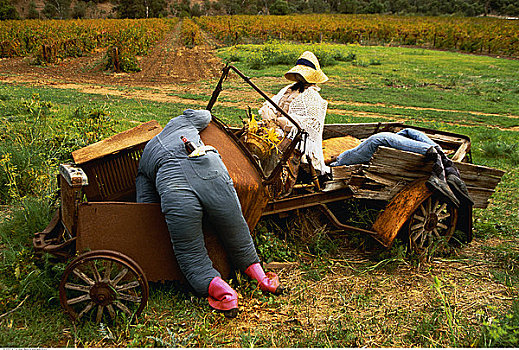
[(279, 7), (57, 9), (140, 8), (7, 10), (32, 13), (79, 10)]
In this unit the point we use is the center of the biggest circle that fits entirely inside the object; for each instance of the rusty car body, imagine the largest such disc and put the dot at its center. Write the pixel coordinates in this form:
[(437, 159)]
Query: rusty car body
[(115, 246)]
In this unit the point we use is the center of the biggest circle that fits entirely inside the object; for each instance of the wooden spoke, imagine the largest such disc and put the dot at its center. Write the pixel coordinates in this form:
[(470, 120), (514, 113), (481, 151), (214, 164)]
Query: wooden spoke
[(444, 216), (84, 297), (433, 221), (84, 277), (417, 226), (122, 307), (99, 315), (97, 276), (119, 277), (424, 212), (78, 287), (419, 218), (87, 308), (87, 288), (133, 299), (441, 208), (131, 285), (111, 311), (443, 226), (108, 271)]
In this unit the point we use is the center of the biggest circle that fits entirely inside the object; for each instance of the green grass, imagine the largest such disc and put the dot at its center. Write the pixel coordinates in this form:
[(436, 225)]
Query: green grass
[(335, 300), (404, 76)]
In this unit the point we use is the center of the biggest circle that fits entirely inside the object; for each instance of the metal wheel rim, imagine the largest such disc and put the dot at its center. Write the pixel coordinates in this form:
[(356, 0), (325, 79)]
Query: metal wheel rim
[(103, 282), (431, 224)]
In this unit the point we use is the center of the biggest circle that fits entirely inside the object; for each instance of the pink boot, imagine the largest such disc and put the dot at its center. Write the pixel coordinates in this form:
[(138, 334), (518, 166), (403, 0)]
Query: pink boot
[(222, 297), (268, 282)]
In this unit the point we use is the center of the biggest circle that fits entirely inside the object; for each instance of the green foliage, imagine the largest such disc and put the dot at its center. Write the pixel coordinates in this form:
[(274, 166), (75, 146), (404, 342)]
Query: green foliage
[(270, 247), (190, 33), (432, 8), (502, 332), (501, 150), (140, 9), (7, 10), (275, 53), (57, 9), (23, 275), (33, 145), (280, 7)]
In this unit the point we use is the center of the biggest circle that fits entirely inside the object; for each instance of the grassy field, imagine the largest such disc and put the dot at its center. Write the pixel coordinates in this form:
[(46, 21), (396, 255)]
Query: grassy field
[(344, 290)]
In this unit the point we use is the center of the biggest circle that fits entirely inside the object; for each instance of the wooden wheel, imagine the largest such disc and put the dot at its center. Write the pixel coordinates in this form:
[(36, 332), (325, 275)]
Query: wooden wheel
[(103, 283), (432, 225)]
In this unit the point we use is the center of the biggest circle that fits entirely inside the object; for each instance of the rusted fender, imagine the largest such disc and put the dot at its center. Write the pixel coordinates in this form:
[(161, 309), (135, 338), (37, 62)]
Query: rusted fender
[(139, 231), (246, 178), (399, 209)]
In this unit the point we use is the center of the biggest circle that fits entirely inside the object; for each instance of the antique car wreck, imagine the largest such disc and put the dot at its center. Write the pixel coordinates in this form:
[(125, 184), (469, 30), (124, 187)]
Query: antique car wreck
[(115, 245)]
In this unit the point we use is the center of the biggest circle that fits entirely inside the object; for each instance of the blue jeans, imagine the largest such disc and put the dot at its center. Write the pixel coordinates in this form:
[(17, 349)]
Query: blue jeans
[(194, 192), (409, 140)]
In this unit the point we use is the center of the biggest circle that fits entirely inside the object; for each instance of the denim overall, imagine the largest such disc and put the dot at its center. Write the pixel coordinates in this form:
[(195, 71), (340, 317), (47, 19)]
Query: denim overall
[(192, 189)]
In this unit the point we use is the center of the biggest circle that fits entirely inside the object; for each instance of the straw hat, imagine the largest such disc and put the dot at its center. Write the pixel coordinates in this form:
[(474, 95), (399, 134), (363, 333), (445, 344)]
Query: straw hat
[(308, 67)]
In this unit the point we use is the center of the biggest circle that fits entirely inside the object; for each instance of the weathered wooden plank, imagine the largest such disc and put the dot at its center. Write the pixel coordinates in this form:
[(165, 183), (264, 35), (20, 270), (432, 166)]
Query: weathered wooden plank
[(480, 196), (373, 195), (346, 171), (479, 169), (461, 152), (357, 130), (384, 180), (121, 141), (399, 161)]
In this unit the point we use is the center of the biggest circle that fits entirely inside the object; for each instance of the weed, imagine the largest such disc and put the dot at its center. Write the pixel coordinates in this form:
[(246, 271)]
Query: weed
[(270, 247), (501, 150), (502, 332), (448, 310)]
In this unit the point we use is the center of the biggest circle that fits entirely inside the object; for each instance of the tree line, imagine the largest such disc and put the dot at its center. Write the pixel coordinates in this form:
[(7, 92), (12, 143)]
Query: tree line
[(62, 9)]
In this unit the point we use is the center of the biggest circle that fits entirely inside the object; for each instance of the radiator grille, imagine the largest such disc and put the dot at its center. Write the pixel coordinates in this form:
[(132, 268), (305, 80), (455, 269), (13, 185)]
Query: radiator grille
[(114, 175)]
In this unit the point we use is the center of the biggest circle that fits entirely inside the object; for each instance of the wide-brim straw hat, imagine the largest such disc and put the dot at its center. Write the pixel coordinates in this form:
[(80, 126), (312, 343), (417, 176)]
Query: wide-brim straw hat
[(308, 67)]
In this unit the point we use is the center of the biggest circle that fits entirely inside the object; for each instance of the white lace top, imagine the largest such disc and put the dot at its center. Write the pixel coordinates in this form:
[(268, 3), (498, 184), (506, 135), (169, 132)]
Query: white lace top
[(309, 110)]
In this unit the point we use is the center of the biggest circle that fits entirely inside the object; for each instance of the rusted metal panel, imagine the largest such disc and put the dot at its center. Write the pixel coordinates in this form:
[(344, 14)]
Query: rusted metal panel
[(126, 139), (69, 199), (247, 180), (396, 213), (139, 231)]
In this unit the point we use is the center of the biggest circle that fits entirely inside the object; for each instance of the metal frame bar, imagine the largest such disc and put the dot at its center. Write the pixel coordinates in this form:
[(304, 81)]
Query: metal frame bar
[(286, 154)]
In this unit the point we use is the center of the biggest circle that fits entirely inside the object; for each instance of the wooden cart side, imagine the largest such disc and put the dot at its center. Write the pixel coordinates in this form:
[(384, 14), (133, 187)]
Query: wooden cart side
[(390, 170), (456, 145)]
